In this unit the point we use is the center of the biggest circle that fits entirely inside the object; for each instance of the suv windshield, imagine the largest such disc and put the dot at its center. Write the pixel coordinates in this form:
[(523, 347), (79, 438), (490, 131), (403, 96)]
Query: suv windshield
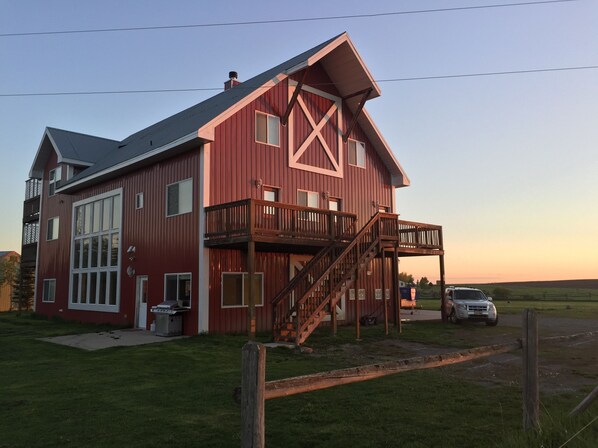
[(469, 294)]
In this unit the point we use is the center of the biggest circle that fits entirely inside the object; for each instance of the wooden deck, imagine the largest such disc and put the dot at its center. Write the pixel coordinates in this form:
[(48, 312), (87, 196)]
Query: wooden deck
[(285, 227)]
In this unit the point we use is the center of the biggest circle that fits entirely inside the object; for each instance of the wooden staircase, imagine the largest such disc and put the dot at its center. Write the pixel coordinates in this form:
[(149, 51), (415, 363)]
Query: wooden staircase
[(302, 304)]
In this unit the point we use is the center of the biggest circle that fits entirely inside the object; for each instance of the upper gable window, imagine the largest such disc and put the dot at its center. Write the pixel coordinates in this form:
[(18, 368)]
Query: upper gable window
[(179, 198), (357, 153), (267, 129), (54, 178)]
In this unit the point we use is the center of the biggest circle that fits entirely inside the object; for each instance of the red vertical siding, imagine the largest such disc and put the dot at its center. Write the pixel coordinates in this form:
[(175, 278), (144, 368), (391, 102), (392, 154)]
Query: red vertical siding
[(275, 267), (237, 160), (163, 244)]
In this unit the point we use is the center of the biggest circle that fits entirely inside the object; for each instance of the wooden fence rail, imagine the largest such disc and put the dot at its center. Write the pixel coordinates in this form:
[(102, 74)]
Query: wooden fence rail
[(255, 390)]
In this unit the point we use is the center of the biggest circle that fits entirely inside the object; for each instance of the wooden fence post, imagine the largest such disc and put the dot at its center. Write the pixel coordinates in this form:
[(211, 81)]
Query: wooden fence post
[(253, 380), (531, 401)]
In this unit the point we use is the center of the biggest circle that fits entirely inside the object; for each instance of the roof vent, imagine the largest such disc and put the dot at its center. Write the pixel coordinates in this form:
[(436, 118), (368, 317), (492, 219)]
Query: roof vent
[(232, 80)]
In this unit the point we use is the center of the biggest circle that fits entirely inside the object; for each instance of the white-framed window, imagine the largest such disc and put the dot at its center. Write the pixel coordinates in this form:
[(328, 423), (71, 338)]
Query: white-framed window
[(177, 286), (308, 199), (271, 195), (179, 197), (235, 289), (52, 231), (351, 294), (267, 129), (138, 201), (378, 294), (53, 179), (49, 290), (361, 294), (95, 253), (356, 153)]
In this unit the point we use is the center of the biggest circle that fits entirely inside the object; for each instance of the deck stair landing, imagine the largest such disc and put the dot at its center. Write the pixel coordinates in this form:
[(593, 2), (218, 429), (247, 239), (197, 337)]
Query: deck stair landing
[(306, 300)]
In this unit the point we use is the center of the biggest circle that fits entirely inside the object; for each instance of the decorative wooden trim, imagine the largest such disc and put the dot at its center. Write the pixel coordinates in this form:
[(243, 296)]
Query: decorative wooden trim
[(293, 100), (294, 156), (364, 98)]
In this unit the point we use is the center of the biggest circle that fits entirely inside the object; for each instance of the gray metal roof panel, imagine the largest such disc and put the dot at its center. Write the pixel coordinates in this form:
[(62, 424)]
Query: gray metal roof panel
[(190, 120), (81, 147)]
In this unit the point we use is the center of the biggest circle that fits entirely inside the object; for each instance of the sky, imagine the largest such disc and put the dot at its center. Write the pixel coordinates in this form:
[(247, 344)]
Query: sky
[(507, 164)]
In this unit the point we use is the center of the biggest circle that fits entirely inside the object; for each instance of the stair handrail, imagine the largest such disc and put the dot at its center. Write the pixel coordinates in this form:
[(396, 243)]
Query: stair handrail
[(293, 283), (347, 275)]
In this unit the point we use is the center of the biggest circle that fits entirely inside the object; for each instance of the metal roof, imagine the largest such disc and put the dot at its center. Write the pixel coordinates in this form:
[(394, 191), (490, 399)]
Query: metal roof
[(186, 128), (70, 147)]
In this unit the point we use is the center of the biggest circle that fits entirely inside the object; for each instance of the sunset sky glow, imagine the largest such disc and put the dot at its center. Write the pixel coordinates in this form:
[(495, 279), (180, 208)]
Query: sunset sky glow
[(507, 164)]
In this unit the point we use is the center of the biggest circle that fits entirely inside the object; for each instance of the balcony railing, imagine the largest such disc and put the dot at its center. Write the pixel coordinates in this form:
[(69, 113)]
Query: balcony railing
[(275, 222), (32, 188), (409, 234)]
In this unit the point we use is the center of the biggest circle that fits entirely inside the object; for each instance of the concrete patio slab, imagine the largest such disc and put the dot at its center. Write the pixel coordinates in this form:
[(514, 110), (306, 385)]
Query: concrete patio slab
[(107, 339)]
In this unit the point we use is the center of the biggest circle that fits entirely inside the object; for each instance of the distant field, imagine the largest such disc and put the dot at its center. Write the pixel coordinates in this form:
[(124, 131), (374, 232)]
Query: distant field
[(561, 290)]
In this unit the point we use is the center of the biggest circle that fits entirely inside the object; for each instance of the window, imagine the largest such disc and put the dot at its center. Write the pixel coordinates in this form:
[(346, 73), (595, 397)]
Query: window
[(95, 266), (178, 287), (267, 129), (235, 289), (138, 201), (52, 232), (357, 153), (54, 179), (179, 198), (49, 291), (270, 194), (308, 199)]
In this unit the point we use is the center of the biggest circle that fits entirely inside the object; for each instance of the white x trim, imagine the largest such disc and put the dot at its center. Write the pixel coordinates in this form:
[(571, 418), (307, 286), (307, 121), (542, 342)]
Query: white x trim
[(295, 155)]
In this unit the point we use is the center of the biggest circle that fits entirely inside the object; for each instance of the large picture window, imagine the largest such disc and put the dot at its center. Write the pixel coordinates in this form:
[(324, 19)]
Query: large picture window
[(235, 289), (178, 287), (95, 277), (267, 129), (179, 198)]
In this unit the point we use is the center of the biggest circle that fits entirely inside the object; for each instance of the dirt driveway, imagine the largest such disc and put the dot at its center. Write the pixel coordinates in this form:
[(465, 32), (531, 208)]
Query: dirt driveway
[(568, 365)]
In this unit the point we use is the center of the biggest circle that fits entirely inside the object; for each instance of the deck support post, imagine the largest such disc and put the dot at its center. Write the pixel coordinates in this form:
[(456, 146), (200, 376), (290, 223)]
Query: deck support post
[(395, 287), (357, 308), (332, 307), (383, 261), (251, 318), (442, 291)]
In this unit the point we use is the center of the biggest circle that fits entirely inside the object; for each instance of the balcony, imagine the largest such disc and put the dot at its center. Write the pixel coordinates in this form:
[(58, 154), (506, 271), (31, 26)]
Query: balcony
[(32, 201), (284, 227)]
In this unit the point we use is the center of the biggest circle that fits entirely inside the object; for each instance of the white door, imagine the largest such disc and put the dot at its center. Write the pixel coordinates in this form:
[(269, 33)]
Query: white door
[(142, 301), (297, 263)]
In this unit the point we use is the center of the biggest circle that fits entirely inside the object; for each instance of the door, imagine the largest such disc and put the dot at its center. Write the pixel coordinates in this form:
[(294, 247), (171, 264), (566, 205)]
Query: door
[(141, 302), (297, 262)]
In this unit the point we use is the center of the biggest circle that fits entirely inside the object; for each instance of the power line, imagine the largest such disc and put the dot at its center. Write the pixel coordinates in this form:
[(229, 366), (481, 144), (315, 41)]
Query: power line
[(240, 86), (273, 21)]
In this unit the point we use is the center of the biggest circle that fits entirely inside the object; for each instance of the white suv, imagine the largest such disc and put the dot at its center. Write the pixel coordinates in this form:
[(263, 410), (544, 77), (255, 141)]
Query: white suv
[(471, 304)]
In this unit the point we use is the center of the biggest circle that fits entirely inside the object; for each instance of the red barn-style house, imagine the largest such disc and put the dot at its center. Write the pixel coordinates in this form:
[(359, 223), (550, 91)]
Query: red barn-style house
[(268, 207)]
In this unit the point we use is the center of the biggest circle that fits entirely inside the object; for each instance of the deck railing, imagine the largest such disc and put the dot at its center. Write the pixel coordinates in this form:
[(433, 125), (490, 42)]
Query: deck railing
[(410, 235), (32, 188), (275, 221), (254, 217)]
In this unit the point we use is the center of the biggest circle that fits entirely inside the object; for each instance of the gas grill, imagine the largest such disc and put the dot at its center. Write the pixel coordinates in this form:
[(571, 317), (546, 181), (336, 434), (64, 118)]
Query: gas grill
[(169, 318)]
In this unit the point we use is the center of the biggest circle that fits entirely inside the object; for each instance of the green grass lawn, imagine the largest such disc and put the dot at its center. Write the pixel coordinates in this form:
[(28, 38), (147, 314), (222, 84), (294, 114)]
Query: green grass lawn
[(179, 393)]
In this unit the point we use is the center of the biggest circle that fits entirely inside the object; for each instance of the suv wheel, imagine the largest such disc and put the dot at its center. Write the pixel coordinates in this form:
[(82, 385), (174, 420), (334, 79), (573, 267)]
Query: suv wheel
[(492, 323)]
